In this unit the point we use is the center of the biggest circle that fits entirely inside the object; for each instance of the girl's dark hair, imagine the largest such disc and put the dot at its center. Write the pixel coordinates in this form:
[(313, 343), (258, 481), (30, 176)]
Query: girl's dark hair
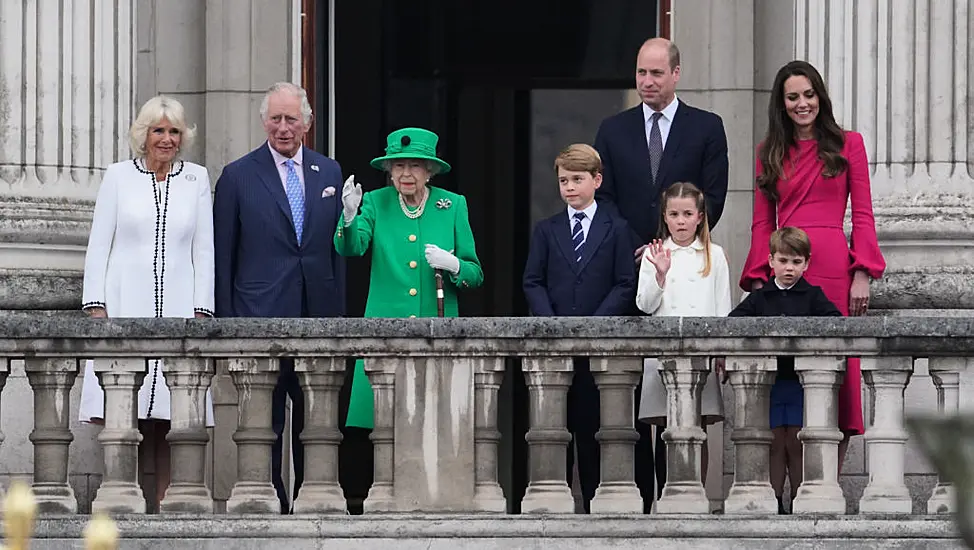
[(684, 190), (781, 131)]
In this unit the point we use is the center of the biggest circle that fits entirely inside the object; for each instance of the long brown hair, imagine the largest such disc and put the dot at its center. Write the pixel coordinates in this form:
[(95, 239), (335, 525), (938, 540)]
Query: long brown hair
[(781, 130), (685, 190)]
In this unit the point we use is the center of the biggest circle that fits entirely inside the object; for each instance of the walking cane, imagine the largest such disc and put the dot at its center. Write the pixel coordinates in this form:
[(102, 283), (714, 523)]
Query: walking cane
[(439, 292)]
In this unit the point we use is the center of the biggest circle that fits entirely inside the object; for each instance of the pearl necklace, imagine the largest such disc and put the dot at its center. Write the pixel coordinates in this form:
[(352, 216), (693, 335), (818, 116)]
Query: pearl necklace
[(419, 211)]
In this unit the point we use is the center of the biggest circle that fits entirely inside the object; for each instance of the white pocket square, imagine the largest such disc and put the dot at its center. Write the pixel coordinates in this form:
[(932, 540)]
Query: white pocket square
[(329, 191)]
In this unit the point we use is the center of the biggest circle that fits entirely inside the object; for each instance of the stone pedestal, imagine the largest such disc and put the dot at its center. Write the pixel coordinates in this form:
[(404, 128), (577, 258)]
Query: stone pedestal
[(321, 378), (382, 376), (253, 493), (188, 380), (617, 379), (945, 372), (548, 380), (51, 381), (435, 435), (120, 491), (886, 493), (751, 379), (488, 375), (820, 492), (683, 493)]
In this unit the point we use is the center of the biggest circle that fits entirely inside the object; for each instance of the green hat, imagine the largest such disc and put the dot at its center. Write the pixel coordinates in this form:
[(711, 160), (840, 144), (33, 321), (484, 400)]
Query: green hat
[(411, 143)]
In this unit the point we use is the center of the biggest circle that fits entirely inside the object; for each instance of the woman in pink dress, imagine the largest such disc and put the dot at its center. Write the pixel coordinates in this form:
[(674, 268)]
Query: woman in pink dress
[(807, 170)]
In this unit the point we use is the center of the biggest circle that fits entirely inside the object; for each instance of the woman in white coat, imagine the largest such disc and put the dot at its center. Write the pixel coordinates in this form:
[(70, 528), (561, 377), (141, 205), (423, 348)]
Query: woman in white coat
[(150, 254)]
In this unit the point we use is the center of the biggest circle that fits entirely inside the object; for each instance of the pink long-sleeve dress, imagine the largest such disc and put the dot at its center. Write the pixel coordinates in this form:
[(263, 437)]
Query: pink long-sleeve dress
[(810, 201)]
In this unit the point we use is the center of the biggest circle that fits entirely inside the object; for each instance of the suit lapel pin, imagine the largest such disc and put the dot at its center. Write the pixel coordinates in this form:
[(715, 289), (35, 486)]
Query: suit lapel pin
[(443, 204), (190, 177), (314, 167), (328, 191)]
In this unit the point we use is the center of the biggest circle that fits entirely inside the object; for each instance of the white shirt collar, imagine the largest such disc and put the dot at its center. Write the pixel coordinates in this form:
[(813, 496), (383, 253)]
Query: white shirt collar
[(668, 112), (777, 284), (695, 245), (589, 212), (280, 159)]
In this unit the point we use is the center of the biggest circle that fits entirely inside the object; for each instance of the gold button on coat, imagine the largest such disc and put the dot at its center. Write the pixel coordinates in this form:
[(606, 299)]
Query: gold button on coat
[(412, 238), (412, 264), (412, 291)]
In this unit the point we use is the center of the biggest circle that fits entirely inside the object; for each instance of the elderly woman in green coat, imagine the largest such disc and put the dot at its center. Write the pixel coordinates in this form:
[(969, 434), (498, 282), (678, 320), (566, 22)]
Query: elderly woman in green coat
[(415, 229)]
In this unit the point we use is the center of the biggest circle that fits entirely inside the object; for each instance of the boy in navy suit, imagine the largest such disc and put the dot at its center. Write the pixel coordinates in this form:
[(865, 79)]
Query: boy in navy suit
[(580, 264), (790, 296)]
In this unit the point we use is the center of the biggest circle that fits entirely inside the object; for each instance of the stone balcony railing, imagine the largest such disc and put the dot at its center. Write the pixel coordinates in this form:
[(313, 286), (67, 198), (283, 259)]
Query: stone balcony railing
[(436, 387)]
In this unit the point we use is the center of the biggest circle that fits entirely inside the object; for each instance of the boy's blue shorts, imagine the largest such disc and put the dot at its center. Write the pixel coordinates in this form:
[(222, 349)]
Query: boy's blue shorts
[(787, 403)]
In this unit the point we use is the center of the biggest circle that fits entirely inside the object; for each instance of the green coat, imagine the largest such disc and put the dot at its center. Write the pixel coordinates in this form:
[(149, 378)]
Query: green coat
[(401, 282)]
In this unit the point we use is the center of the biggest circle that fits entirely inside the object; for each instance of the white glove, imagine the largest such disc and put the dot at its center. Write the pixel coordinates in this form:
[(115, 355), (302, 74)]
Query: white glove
[(351, 199), (441, 259)]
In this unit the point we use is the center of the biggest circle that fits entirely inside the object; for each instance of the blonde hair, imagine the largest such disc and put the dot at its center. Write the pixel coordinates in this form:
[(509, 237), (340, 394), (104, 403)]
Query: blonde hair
[(152, 113), (684, 190), (579, 157)]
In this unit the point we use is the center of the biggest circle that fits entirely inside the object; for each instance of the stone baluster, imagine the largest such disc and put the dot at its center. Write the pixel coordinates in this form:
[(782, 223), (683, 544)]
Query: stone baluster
[(51, 381), (548, 380), (617, 379), (188, 380), (751, 378), (321, 378), (488, 375), (683, 493), (945, 373), (120, 491), (820, 492), (382, 376), (253, 493), (886, 493), (4, 371)]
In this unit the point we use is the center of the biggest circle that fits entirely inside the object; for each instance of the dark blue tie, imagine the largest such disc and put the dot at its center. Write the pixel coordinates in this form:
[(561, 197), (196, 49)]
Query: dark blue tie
[(578, 236)]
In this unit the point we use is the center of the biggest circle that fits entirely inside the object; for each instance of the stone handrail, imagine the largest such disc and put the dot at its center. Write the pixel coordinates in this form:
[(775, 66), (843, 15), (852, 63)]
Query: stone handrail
[(454, 367)]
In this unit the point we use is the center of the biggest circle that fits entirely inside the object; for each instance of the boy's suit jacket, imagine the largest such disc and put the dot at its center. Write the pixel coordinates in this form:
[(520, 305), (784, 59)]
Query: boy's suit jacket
[(602, 284)]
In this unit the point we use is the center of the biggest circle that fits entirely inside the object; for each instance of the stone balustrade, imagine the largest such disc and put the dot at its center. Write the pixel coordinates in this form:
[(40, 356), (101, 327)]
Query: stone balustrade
[(436, 402)]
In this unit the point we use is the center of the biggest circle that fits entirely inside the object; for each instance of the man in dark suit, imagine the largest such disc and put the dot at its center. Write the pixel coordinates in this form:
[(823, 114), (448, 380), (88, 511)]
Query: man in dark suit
[(274, 217), (645, 150), (579, 264)]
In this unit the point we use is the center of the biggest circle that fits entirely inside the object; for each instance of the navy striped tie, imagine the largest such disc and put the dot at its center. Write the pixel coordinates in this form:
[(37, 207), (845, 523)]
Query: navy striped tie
[(578, 236)]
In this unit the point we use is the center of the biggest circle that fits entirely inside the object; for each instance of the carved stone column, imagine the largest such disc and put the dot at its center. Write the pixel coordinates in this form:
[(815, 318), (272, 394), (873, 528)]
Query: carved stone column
[(751, 378), (120, 491), (945, 372), (4, 371), (64, 117), (820, 492), (617, 379), (548, 380), (188, 380), (51, 381), (488, 376), (253, 493), (683, 493), (382, 375), (321, 378), (900, 75), (886, 493)]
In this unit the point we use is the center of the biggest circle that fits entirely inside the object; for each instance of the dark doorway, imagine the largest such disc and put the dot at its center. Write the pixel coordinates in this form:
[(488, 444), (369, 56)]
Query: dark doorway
[(505, 84)]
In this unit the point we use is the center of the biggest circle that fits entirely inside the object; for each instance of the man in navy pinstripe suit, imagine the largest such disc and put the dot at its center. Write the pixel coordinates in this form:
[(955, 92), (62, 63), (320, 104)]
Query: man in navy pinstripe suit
[(274, 215)]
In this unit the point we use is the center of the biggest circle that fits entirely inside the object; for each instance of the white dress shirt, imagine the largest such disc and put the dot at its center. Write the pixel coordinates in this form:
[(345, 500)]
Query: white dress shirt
[(586, 221), (280, 160), (780, 287), (665, 121), (687, 292)]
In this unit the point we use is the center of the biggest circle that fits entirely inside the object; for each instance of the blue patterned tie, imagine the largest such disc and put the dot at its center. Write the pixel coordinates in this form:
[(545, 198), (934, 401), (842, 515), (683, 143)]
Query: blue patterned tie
[(655, 145), (295, 197), (578, 236)]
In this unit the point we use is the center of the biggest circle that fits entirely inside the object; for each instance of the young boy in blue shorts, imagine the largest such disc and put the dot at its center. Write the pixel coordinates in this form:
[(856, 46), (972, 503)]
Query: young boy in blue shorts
[(790, 296)]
